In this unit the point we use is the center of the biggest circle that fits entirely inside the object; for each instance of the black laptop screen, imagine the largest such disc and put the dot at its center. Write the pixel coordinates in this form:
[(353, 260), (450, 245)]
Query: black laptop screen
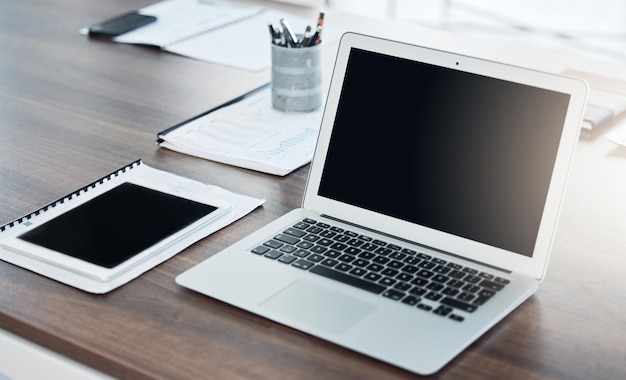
[(453, 151)]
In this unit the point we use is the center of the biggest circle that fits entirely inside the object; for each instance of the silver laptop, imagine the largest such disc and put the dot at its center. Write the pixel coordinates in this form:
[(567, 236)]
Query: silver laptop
[(429, 212)]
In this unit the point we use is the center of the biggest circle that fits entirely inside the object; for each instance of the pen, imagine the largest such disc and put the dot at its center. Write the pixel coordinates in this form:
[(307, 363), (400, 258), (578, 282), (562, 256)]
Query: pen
[(272, 32), (316, 37), (307, 36), (276, 34), (290, 36), (320, 23)]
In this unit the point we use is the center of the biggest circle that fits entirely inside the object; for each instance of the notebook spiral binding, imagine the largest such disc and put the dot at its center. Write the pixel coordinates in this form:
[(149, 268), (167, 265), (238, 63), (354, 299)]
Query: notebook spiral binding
[(68, 197)]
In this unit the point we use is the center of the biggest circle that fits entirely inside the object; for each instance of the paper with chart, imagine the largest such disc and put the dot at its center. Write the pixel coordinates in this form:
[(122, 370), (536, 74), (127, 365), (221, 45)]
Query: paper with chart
[(250, 134)]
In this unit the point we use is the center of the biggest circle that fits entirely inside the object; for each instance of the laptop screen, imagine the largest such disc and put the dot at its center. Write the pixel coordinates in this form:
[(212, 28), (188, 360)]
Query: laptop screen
[(453, 151)]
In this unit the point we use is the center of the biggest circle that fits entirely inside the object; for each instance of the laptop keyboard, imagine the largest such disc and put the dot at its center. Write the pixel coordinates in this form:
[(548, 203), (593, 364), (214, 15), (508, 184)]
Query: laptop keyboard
[(398, 273)]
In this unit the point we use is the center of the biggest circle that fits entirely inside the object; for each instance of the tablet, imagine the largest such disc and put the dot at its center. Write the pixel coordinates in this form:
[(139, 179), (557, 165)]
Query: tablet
[(112, 231)]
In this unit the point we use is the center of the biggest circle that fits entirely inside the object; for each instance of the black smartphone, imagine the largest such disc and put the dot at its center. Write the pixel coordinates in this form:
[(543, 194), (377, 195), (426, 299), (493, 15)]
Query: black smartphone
[(121, 24)]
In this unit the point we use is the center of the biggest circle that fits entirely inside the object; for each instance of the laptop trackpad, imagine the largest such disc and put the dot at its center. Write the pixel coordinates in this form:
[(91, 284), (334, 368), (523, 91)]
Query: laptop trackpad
[(319, 307)]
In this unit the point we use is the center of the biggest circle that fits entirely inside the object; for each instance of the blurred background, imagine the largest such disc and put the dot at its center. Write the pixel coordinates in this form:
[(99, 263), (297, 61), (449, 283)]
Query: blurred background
[(595, 28)]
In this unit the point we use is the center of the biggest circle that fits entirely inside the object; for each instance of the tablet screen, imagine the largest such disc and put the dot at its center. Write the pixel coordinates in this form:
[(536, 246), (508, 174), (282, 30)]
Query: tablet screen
[(117, 225)]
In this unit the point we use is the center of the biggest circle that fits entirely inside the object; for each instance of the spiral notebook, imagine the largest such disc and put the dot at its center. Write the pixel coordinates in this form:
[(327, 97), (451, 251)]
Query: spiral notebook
[(114, 229)]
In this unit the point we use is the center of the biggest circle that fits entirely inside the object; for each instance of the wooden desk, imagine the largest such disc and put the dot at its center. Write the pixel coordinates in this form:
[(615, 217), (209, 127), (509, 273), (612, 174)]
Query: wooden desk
[(73, 109)]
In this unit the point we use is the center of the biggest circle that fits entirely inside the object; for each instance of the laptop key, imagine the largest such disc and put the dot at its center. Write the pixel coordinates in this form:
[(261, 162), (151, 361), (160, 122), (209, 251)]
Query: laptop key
[(375, 267), (360, 263), (343, 267), (369, 246), (273, 254), (450, 291), (346, 258), (410, 269), (455, 317), (438, 261), (456, 274), (502, 281), (301, 226), (288, 248), (315, 257), (332, 254), (330, 262), (472, 279), (273, 244), (347, 279), (358, 272), (314, 230), (393, 294), (303, 264), (352, 251), (433, 296), (423, 306), (466, 296), (311, 237), (325, 242), (418, 291), (327, 234), (471, 288), (443, 310), (287, 259), (339, 246), (483, 296), (373, 276), (304, 244), (294, 232), (301, 253), (286, 238), (389, 272), (260, 250), (423, 256), (402, 286), (425, 273), (411, 300), (491, 285), (319, 249), (458, 304)]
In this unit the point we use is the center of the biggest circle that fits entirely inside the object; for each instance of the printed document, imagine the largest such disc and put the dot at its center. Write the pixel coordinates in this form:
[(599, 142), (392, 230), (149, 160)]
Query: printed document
[(250, 134)]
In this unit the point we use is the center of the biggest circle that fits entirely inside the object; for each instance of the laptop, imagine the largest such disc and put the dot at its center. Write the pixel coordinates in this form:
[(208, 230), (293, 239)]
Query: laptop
[(430, 208)]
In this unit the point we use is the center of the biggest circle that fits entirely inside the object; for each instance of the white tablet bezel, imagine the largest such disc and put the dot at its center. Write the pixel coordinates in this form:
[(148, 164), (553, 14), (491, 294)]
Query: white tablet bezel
[(93, 271)]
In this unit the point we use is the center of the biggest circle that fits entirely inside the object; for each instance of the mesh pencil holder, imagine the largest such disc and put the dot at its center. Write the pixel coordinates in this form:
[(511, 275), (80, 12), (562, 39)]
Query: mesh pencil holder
[(297, 78)]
